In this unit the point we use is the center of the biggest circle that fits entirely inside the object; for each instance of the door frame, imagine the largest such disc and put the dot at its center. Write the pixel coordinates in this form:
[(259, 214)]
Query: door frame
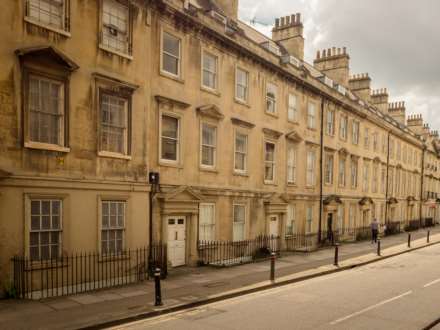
[(187, 228)]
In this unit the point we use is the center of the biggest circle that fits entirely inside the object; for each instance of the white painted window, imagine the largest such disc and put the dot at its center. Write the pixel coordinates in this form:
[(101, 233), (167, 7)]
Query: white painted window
[(170, 131), (115, 26), (114, 124), (355, 132), (271, 98), (375, 174), (341, 179), (310, 176), (210, 71), (241, 147), (208, 145), (291, 164), (328, 169), (48, 12), (112, 227), (366, 138), (352, 216), (340, 217), (242, 85), (311, 115), (330, 127), (239, 219), (290, 222), (207, 222), (354, 172), (171, 54), (46, 110), (365, 177), (343, 127), (269, 161), (45, 229), (309, 219), (292, 111)]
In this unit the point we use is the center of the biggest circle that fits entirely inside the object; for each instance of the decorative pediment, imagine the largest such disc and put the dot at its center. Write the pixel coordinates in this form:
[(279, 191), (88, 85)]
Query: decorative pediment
[(169, 101), (242, 123), (47, 54), (116, 85), (392, 200), (272, 133), (294, 136), (210, 110), (365, 201), (182, 194), (276, 199), (276, 203), (343, 151), (329, 149), (332, 199)]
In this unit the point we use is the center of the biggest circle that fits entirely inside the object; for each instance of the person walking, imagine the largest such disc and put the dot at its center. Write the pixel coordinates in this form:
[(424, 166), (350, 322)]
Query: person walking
[(374, 230)]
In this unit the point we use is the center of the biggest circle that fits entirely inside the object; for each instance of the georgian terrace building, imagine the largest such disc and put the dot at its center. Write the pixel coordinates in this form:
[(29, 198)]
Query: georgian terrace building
[(248, 138)]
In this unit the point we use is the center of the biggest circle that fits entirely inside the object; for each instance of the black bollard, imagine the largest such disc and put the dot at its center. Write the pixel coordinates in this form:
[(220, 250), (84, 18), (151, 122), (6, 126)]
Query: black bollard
[(272, 266), (336, 255), (409, 240), (427, 237), (158, 292), (378, 247)]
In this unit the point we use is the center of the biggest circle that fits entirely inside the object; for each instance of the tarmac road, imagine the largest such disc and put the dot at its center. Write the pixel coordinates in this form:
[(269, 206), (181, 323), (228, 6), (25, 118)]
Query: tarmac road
[(397, 293)]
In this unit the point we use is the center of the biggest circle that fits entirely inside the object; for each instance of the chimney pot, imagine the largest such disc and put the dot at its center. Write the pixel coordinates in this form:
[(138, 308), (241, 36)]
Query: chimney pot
[(287, 20), (318, 54), (277, 22), (298, 18), (292, 19)]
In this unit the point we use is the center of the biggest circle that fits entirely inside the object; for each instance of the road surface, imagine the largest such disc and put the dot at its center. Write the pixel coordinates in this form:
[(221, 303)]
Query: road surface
[(398, 293)]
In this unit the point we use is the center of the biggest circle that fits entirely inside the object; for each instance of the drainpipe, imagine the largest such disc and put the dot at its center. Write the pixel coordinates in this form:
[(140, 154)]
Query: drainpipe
[(320, 170), (422, 176), (386, 184)]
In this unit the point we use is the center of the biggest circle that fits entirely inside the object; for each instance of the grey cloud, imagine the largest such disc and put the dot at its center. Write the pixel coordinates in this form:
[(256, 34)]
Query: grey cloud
[(396, 41)]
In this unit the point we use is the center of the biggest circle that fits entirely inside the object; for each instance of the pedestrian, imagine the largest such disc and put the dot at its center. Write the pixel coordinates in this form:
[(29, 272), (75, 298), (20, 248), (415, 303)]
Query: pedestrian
[(374, 230)]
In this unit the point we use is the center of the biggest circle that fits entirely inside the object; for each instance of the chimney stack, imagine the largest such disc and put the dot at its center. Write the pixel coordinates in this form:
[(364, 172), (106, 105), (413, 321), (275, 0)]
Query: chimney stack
[(397, 111), (379, 98), (229, 7), (360, 85), (334, 63), (415, 124), (288, 32)]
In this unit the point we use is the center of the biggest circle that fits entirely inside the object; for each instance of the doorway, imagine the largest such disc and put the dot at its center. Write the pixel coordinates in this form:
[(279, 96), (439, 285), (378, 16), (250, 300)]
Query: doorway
[(176, 240)]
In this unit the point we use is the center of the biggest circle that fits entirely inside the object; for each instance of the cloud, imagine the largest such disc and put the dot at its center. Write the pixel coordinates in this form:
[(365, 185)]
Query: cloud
[(395, 41)]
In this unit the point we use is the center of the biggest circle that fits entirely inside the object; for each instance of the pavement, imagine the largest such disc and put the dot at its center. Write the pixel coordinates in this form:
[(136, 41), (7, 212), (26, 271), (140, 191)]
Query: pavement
[(401, 293), (188, 287)]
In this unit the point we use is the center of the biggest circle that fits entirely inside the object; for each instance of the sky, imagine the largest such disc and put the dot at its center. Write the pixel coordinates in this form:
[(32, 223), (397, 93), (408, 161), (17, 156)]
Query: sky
[(396, 41)]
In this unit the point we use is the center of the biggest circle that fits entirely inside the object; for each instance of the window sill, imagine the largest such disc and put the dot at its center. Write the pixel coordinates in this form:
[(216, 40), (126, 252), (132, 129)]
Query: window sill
[(238, 173), (271, 114), (47, 27), (171, 76), (115, 52), (47, 264), (108, 154), (290, 121), (292, 184), (270, 183), (208, 169), (46, 146), (210, 90), (312, 129), (169, 163), (241, 102)]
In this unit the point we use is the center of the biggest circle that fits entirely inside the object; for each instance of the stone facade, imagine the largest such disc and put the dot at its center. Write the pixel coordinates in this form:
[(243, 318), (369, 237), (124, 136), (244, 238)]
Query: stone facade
[(236, 124)]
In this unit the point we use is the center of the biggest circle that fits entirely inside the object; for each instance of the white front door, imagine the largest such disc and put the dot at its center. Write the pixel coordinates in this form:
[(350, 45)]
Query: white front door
[(273, 225), (176, 240)]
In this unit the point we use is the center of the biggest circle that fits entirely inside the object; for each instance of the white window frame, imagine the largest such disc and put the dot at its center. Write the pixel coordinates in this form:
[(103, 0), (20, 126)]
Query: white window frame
[(375, 141), (330, 122), (271, 163), (271, 100), (366, 138), (292, 156), (354, 168), (64, 18), (355, 132), (50, 230), (309, 219), (329, 168), (204, 124), (243, 223), (245, 87), (179, 57), (206, 53), (342, 171), (245, 153), (366, 174), (292, 108), (375, 178), (165, 161), (310, 168), (311, 115), (343, 129), (207, 226), (110, 228), (291, 220)]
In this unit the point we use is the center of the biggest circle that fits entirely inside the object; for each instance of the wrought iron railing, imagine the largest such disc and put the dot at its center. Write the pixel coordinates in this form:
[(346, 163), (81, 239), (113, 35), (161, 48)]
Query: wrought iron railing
[(82, 272)]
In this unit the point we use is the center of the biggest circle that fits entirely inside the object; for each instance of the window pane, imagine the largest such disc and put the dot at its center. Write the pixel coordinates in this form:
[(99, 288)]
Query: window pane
[(45, 222), (34, 239), (35, 207), (35, 223), (169, 126), (207, 156), (171, 44), (169, 149), (170, 64), (270, 150)]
